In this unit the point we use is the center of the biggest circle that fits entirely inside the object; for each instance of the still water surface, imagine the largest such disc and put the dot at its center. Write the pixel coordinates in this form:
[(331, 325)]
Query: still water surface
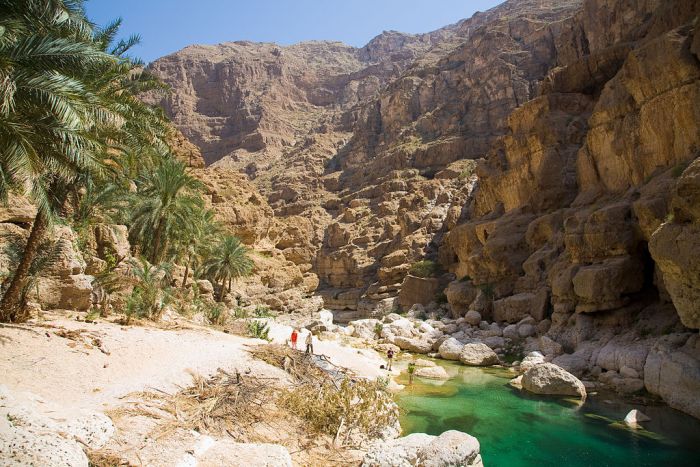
[(516, 429)]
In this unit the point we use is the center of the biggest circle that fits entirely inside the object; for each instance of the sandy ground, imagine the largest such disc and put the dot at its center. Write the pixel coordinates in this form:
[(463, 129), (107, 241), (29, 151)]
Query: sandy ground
[(77, 375)]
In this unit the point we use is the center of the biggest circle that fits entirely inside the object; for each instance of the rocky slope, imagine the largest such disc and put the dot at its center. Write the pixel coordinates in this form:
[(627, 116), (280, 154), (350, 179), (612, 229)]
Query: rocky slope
[(544, 153)]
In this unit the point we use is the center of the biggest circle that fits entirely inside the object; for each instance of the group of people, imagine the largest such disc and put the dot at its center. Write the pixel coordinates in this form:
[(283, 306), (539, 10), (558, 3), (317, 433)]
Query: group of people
[(309, 341)]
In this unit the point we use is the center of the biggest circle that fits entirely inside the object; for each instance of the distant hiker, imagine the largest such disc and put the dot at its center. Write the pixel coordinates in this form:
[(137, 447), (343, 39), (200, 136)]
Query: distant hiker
[(310, 344), (390, 357), (411, 370), (295, 334)]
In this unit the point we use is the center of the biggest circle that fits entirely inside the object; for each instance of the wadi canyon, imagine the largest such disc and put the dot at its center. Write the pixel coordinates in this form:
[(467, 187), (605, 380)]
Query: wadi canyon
[(531, 174), (544, 155)]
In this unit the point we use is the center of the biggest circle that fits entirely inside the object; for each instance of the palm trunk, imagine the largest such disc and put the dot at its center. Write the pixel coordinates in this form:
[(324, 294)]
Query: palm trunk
[(187, 270), (228, 290), (223, 289), (11, 305), (155, 254)]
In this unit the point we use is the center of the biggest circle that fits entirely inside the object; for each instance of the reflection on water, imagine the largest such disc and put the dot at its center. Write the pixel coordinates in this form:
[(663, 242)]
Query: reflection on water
[(520, 429)]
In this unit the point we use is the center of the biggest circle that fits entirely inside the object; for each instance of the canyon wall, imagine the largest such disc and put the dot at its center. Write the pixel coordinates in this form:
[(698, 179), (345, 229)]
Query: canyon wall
[(543, 154)]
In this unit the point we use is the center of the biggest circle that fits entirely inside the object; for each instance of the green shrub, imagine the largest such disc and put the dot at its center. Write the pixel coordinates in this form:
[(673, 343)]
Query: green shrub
[(259, 330), (240, 313), (216, 314), (355, 406), (424, 268), (262, 311), (378, 328), (678, 170)]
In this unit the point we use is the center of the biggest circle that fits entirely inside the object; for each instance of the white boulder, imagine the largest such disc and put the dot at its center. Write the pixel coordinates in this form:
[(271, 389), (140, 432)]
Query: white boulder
[(551, 379), (478, 354)]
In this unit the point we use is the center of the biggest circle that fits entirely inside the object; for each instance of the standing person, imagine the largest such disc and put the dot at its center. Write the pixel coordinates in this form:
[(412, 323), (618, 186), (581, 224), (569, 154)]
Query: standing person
[(411, 370), (295, 334), (310, 343), (390, 357)]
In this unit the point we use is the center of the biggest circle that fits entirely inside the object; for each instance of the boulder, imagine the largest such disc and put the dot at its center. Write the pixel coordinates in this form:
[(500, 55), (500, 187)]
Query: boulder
[(326, 317), (517, 382), (634, 417), (531, 360), (452, 448), (403, 327), (365, 328), (551, 379), (432, 372), (415, 345), (473, 317), (478, 354), (672, 371), (526, 330), (397, 452), (451, 349), (511, 332), (550, 347)]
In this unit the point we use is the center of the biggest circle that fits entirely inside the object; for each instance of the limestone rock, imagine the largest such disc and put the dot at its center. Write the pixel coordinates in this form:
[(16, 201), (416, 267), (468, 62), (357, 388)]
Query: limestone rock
[(399, 452), (450, 349), (478, 354), (634, 417), (550, 379), (450, 448), (530, 361), (672, 371), (432, 372), (415, 345), (473, 317)]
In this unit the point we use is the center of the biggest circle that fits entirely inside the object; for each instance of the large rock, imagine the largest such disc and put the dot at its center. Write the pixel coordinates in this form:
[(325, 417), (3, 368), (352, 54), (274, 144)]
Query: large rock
[(415, 345), (516, 307), (531, 360), (399, 452), (551, 379), (417, 290), (672, 371), (432, 372), (478, 354), (365, 328), (451, 448), (450, 349), (32, 432)]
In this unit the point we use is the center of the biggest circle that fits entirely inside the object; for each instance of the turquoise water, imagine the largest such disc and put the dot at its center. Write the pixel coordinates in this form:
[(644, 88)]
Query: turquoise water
[(516, 429)]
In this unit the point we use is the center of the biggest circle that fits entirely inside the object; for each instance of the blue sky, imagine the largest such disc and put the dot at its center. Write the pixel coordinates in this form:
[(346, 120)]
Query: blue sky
[(169, 25)]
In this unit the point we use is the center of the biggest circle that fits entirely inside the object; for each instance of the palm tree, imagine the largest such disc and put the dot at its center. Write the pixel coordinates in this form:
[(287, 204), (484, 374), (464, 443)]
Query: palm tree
[(47, 114), (163, 207), (195, 243), (68, 109), (229, 260), (150, 289)]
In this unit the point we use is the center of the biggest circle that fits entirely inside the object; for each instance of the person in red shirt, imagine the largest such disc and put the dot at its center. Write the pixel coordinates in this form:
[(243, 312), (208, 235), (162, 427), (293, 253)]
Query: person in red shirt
[(295, 334)]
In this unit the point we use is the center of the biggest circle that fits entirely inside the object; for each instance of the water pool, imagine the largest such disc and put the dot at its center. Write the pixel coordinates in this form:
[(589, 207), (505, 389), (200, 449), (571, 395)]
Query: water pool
[(516, 429)]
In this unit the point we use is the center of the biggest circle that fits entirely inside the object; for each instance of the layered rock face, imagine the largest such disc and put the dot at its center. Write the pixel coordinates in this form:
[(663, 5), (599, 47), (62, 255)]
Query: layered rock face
[(544, 153)]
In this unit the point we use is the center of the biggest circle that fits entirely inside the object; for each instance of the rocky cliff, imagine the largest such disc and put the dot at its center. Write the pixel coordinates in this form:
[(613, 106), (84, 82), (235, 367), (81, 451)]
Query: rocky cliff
[(544, 154)]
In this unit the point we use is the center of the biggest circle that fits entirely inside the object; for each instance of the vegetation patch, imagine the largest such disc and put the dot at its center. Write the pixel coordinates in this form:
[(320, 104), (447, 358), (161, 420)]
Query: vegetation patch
[(425, 268)]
